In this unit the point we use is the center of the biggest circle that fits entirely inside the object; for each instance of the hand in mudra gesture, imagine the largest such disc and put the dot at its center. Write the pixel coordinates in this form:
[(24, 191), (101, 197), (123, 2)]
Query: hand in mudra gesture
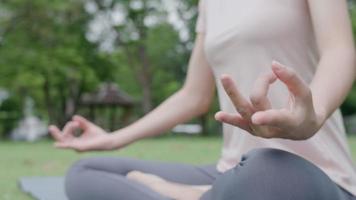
[(299, 120), (92, 137)]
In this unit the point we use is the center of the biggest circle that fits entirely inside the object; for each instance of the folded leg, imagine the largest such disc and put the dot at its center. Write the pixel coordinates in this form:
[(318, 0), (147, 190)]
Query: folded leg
[(105, 178), (271, 174)]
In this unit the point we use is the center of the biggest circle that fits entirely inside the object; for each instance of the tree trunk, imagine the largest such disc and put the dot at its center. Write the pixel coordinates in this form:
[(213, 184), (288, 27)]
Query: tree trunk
[(144, 75), (75, 90), (142, 66), (145, 80), (48, 99)]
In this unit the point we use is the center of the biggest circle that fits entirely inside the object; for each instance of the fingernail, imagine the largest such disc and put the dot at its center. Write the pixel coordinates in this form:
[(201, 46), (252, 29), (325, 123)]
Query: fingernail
[(254, 120), (275, 62), (224, 77), (277, 65), (216, 116)]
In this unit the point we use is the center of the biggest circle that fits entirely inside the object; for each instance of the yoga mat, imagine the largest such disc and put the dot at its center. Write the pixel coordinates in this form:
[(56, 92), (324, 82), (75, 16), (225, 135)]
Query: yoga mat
[(43, 188)]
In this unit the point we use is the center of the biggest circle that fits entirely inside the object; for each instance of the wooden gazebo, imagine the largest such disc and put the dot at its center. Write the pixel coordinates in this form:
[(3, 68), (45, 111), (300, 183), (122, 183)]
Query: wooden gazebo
[(109, 96)]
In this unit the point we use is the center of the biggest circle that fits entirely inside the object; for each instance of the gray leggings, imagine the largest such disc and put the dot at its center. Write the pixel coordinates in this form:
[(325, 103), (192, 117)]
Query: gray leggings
[(262, 174)]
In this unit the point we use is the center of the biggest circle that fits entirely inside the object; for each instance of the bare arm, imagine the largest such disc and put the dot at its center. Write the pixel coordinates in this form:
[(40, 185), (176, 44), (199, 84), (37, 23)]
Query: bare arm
[(309, 106), (319, 100), (192, 100), (336, 70)]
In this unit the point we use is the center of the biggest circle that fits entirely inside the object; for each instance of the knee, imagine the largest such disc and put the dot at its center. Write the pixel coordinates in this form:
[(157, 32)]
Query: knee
[(78, 168), (270, 157), (77, 177), (266, 163), (268, 173)]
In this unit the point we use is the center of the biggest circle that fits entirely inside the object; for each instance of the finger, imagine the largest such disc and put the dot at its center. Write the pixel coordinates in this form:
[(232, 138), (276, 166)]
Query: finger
[(69, 145), (83, 123), (55, 132), (233, 119), (70, 128), (259, 92), (281, 118), (295, 84), (240, 103), (61, 145)]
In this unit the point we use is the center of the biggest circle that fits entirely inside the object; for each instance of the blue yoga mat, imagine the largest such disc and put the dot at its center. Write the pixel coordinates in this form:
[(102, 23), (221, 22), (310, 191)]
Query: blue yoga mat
[(43, 188)]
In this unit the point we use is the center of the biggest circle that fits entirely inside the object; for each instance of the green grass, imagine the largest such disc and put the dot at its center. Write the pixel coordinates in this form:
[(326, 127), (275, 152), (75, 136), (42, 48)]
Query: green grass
[(19, 159)]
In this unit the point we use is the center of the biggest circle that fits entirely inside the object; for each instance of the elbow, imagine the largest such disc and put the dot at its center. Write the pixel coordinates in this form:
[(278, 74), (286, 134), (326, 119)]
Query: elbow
[(203, 106), (352, 57), (352, 54), (204, 101), (198, 102)]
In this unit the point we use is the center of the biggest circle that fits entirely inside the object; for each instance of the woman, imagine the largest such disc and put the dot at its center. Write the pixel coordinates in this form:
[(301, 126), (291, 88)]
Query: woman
[(286, 143)]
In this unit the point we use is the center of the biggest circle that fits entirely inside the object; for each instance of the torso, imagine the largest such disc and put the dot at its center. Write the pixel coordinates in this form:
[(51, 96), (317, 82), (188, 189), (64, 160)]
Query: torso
[(242, 39)]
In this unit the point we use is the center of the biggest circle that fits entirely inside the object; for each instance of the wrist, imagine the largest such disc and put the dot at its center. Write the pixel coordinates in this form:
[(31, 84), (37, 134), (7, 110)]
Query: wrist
[(119, 139)]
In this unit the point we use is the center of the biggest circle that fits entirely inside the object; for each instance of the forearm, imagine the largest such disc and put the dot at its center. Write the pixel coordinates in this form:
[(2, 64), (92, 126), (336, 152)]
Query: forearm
[(333, 79), (192, 100), (336, 70), (180, 107)]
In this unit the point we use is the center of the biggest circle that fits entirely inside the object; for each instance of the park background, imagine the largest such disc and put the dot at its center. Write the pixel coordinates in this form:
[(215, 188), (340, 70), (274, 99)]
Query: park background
[(56, 55)]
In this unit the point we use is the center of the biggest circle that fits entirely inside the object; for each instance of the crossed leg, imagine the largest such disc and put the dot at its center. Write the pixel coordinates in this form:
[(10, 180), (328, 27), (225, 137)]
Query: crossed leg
[(105, 178), (262, 174)]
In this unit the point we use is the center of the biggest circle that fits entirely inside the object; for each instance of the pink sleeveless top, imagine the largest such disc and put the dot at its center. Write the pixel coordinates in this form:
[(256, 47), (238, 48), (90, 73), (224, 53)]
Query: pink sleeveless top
[(241, 39)]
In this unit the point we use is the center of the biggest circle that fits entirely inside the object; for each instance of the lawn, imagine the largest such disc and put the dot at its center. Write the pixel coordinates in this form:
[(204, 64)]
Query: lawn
[(40, 159)]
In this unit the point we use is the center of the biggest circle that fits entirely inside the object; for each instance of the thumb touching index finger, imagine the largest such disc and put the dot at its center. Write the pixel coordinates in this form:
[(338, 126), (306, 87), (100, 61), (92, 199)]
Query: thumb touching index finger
[(83, 123)]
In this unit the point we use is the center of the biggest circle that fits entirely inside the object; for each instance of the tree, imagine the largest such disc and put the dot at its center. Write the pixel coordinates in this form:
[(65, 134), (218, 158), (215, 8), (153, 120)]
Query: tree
[(150, 46), (45, 55), (47, 52)]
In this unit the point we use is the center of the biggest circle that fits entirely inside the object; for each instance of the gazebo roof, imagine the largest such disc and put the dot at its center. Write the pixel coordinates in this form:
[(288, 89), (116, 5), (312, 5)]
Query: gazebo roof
[(108, 94)]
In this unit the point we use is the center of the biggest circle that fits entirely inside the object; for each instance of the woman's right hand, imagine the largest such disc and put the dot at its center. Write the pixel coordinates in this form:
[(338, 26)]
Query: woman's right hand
[(92, 138)]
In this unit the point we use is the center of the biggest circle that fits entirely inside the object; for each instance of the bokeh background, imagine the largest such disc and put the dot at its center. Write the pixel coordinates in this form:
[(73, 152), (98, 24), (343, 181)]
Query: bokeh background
[(111, 61)]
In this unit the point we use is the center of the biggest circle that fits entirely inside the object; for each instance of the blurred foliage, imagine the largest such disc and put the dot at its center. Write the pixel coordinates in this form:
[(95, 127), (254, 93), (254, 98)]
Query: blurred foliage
[(45, 55), (10, 114), (54, 51)]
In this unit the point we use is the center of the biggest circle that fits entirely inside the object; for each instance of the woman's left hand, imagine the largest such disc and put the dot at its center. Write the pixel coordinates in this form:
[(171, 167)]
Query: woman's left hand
[(299, 120)]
